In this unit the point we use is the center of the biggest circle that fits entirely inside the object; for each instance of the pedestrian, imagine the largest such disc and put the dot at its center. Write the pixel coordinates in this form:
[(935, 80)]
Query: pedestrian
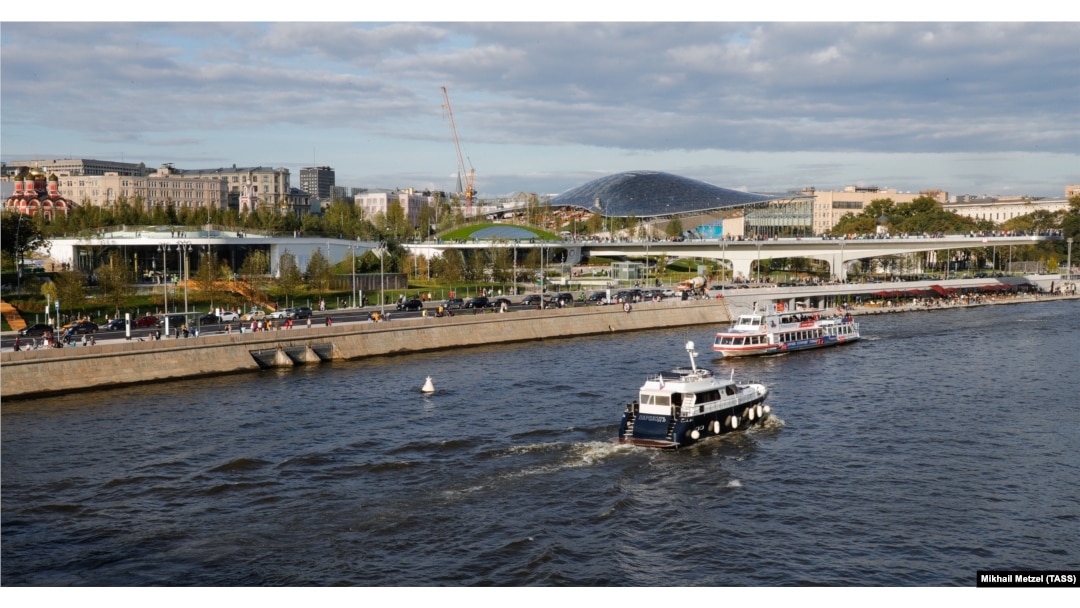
[(16, 343), (309, 322)]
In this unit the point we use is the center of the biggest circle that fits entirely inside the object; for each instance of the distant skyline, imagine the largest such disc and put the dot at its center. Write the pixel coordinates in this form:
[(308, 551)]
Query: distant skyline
[(970, 108)]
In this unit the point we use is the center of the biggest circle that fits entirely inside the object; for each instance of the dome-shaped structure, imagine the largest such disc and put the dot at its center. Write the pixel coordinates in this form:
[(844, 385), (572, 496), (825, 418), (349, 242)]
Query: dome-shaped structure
[(653, 193)]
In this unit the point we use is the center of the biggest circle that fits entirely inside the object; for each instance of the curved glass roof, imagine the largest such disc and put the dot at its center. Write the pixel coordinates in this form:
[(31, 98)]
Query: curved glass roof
[(653, 193)]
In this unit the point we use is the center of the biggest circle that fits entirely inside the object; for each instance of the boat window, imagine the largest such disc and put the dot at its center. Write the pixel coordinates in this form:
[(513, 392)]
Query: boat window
[(730, 389)]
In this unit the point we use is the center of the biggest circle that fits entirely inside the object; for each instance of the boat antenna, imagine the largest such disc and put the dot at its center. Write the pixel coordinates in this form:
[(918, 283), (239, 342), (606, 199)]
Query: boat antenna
[(690, 351)]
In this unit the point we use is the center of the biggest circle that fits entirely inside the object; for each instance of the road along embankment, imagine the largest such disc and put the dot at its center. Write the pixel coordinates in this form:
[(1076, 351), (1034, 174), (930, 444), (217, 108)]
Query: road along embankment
[(115, 363)]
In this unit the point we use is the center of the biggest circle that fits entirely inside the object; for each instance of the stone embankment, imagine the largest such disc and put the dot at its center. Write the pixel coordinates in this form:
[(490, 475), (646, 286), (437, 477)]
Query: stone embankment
[(115, 363)]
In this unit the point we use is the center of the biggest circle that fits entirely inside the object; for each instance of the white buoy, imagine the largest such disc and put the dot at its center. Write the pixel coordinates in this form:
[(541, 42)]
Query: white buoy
[(766, 409), (428, 386), (695, 435)]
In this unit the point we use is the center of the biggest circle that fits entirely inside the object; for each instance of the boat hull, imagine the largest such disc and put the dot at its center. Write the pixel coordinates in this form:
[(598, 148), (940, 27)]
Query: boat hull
[(656, 431), (786, 347)]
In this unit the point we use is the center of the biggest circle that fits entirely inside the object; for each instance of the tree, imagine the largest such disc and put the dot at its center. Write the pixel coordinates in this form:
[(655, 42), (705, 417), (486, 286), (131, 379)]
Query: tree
[(70, 288), (290, 279), (209, 278), (318, 272), (116, 280), (674, 227), (19, 235)]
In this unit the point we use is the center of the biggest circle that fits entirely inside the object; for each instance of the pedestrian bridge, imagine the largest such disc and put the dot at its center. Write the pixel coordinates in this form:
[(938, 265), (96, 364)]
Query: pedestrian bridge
[(743, 253)]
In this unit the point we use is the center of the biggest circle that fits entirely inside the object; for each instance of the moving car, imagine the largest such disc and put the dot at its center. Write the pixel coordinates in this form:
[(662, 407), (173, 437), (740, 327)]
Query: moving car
[(174, 321), (115, 325), (146, 321), (303, 312), (82, 327), (533, 299), (284, 313), (36, 330), (227, 316), (412, 304), (498, 302), (254, 315), (454, 303), (477, 302)]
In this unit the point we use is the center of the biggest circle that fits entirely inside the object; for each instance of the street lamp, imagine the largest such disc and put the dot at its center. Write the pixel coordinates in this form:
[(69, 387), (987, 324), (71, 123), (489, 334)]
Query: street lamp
[(185, 247), (352, 250), (165, 275), (382, 283), (1068, 270)]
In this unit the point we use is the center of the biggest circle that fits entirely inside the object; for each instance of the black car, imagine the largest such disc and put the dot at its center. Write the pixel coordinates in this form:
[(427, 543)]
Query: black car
[(533, 299), (82, 327), (209, 319), (116, 325), (303, 312), (36, 330), (498, 302), (174, 321), (454, 303), (565, 298), (477, 302), (413, 304), (597, 297)]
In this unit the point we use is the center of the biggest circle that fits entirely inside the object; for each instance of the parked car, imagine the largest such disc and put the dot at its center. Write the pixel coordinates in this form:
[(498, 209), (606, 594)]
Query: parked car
[(284, 313), (454, 303), (82, 327), (145, 321), (477, 302), (413, 304), (303, 312), (228, 316), (36, 330)]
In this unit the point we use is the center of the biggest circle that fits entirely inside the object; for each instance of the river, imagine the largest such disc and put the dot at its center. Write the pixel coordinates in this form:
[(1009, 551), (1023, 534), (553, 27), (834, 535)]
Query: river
[(941, 444)]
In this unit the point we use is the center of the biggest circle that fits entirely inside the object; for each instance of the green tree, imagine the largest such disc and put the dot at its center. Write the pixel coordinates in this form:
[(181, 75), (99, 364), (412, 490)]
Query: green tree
[(19, 235), (70, 289), (116, 280), (318, 272), (674, 227), (290, 279)]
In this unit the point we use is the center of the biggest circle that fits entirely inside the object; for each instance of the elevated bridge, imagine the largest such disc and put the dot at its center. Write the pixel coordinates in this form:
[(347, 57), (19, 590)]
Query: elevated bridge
[(742, 254)]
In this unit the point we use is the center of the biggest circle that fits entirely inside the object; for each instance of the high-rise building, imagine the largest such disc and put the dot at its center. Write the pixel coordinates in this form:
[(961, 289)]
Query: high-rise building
[(317, 181)]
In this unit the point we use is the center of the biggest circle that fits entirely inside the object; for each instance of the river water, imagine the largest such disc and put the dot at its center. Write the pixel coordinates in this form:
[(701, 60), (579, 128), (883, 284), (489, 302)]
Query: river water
[(942, 444)]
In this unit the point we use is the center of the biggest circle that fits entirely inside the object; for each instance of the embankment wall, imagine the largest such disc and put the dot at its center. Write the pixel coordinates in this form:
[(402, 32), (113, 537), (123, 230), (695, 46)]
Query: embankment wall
[(50, 371)]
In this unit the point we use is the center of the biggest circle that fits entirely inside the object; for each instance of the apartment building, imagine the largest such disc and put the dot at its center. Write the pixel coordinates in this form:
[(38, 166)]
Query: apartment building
[(373, 202), (81, 167), (318, 182)]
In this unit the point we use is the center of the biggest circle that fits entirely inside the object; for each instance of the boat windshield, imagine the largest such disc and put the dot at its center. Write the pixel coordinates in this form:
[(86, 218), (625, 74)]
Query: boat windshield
[(654, 399)]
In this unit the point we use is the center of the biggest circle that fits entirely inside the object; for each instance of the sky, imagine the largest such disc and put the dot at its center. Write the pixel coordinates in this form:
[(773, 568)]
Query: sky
[(547, 99)]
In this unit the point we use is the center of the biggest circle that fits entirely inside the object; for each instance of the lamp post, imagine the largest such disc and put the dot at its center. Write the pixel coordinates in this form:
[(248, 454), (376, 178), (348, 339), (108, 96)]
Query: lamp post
[(382, 282), (352, 251), (165, 275), (1068, 269), (184, 247)]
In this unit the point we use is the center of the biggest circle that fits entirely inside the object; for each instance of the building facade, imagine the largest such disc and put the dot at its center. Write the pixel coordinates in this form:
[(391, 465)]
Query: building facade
[(318, 182), (83, 166), (1002, 209), (35, 193), (830, 206), (268, 186), (373, 202), (164, 187)]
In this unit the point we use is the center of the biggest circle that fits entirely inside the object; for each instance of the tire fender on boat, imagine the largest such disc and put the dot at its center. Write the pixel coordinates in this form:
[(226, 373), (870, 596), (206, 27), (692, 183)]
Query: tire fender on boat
[(733, 422), (695, 435), (750, 413), (759, 411), (716, 427)]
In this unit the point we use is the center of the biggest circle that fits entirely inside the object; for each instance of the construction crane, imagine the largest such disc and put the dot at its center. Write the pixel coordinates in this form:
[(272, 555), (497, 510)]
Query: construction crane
[(468, 191)]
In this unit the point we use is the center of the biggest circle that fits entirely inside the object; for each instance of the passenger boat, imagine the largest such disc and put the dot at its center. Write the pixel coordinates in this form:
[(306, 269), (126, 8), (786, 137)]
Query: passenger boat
[(777, 332), (682, 406)]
